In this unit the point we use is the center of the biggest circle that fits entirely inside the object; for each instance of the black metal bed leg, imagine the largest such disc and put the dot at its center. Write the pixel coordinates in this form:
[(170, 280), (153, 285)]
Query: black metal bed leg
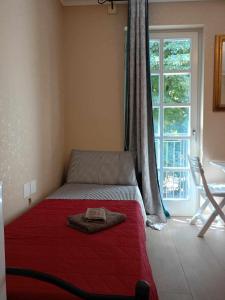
[(142, 290)]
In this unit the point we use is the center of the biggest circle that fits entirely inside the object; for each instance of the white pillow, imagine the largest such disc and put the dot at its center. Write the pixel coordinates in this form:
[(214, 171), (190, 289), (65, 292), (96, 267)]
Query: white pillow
[(101, 167)]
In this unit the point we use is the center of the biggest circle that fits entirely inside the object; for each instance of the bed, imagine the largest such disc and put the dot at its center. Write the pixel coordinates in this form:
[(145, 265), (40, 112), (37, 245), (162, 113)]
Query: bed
[(104, 265)]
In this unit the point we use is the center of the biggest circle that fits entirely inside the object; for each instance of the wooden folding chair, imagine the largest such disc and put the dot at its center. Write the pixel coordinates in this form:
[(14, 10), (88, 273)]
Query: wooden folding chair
[(208, 192)]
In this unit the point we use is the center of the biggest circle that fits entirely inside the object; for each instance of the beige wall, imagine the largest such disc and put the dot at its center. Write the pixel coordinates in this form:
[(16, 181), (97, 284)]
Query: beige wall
[(94, 64), (31, 110)]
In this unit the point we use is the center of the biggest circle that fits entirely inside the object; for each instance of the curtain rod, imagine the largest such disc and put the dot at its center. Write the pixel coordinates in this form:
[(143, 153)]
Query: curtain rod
[(111, 1)]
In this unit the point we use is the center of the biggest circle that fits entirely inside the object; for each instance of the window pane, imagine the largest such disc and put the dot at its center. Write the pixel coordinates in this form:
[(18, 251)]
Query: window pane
[(176, 121), (157, 145), (156, 120), (155, 89), (175, 153), (177, 55), (177, 88), (175, 185), (154, 55)]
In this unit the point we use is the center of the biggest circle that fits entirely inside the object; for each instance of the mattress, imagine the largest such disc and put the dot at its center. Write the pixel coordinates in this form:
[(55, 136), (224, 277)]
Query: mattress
[(99, 192), (108, 262)]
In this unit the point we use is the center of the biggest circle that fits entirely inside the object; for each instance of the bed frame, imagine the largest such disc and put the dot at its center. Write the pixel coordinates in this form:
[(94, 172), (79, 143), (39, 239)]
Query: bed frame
[(142, 288)]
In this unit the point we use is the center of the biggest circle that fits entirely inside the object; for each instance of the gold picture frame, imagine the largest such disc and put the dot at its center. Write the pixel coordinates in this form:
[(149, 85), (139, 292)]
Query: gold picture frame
[(219, 74)]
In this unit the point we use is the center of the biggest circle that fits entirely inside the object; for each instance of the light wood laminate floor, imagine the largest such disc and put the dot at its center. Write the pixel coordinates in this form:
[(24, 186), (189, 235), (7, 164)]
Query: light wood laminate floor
[(184, 266)]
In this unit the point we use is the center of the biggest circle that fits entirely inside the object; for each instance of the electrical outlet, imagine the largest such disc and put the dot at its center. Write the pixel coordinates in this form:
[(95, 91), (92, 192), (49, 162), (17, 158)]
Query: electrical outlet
[(33, 187), (26, 189)]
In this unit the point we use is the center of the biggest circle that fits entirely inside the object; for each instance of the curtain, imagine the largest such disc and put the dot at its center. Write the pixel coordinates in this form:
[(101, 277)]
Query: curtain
[(139, 130)]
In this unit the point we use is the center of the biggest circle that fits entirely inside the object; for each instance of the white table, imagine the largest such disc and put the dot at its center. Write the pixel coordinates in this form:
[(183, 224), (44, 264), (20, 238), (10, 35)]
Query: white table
[(218, 164), (2, 252)]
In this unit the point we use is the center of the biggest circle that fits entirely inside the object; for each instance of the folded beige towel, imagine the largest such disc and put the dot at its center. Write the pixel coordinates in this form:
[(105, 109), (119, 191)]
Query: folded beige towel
[(96, 215), (112, 218)]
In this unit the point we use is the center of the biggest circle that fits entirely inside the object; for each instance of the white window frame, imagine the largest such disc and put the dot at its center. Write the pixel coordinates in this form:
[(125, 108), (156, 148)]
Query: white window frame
[(182, 207)]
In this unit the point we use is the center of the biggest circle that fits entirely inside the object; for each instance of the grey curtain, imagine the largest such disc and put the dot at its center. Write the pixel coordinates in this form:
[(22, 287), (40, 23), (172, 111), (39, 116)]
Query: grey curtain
[(139, 130)]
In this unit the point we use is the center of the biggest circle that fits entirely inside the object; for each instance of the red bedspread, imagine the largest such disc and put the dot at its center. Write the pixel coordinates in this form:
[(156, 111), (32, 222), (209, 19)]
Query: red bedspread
[(109, 262)]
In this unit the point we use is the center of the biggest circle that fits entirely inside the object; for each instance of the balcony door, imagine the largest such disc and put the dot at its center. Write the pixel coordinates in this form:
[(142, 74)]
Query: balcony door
[(174, 75)]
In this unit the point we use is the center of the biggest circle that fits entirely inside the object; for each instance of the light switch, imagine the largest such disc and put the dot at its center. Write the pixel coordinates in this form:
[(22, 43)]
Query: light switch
[(33, 187), (26, 189)]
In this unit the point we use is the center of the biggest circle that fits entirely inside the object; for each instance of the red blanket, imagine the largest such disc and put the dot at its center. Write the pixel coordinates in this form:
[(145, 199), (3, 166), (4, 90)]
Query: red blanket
[(108, 262)]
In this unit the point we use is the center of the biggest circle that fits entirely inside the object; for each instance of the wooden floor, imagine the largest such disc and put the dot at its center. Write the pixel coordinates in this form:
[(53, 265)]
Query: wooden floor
[(184, 266)]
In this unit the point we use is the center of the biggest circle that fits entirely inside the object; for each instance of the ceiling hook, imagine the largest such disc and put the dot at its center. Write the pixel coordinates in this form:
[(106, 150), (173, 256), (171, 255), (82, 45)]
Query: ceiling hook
[(112, 5)]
